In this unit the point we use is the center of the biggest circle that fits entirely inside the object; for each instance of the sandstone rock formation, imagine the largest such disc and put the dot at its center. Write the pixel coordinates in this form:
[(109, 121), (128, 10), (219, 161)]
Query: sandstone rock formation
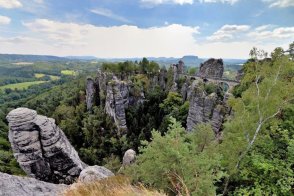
[(212, 68), (93, 173), (24, 186), (205, 108), (116, 101), (129, 157), (91, 93), (41, 148)]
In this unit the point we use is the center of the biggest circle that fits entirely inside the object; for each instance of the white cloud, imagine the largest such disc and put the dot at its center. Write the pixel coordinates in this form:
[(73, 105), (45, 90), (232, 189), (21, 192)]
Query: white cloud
[(4, 20), (266, 34), (109, 14), (9, 4), (228, 33), (115, 41), (219, 1), (182, 2), (280, 3), (157, 2), (63, 39)]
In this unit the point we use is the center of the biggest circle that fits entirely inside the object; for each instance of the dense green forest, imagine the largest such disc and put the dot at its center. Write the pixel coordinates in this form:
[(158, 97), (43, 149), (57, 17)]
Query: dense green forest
[(254, 155)]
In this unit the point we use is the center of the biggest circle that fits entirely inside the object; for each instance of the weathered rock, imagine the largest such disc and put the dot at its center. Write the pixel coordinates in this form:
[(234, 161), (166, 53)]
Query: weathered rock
[(91, 93), (205, 109), (41, 148), (212, 68), (24, 186), (93, 173), (184, 91), (162, 78), (174, 87), (129, 157), (116, 102)]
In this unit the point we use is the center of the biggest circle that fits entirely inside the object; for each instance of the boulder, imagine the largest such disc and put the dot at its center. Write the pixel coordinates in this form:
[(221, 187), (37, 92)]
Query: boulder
[(94, 173), (24, 186), (129, 157), (212, 68), (41, 148)]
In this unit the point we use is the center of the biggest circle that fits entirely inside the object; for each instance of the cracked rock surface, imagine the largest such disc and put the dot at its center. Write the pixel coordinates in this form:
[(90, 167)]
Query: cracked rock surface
[(41, 148)]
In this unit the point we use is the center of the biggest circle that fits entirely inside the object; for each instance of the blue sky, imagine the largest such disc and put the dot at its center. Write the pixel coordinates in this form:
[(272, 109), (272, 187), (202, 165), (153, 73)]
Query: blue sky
[(137, 28)]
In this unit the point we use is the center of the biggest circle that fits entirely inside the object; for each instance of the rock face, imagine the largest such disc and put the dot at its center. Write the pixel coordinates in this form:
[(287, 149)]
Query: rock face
[(94, 173), (41, 148), (129, 157), (117, 101), (212, 68), (205, 108), (90, 93), (24, 186)]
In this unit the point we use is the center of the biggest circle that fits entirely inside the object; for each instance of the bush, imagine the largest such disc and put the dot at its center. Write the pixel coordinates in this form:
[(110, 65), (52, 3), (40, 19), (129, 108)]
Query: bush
[(179, 162)]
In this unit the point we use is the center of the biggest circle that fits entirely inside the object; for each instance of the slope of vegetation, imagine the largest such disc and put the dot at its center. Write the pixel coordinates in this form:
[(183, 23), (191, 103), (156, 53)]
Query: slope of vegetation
[(20, 86), (254, 155)]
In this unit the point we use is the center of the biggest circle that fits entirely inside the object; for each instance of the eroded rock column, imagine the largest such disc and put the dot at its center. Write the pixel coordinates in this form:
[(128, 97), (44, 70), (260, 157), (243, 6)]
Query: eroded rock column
[(41, 148)]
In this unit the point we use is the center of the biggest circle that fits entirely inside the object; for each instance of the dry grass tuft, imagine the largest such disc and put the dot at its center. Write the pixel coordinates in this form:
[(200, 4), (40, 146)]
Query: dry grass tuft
[(112, 186)]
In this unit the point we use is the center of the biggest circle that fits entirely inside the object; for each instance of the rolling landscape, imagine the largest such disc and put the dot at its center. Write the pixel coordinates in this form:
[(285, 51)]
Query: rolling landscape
[(146, 97)]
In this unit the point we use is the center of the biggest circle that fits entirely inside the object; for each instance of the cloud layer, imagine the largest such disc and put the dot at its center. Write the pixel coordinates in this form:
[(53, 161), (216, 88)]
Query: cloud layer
[(9, 4), (4, 20), (61, 38)]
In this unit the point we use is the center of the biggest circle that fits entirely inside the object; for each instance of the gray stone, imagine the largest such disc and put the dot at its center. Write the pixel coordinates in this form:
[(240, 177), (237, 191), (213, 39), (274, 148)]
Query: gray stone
[(94, 173), (129, 157), (212, 68), (205, 109), (41, 148), (90, 93), (24, 186), (117, 102)]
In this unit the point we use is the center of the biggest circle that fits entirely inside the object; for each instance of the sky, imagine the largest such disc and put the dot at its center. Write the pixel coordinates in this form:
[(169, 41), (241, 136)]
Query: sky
[(145, 28)]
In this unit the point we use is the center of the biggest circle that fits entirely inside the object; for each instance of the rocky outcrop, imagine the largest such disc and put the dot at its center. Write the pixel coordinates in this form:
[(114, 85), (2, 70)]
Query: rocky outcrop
[(129, 157), (212, 68), (24, 186), (205, 108), (185, 90), (117, 101), (91, 93), (94, 173), (41, 148)]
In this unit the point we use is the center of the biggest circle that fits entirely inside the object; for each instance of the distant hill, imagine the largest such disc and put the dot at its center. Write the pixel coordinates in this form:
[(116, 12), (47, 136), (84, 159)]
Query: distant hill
[(191, 60), (29, 58), (86, 58)]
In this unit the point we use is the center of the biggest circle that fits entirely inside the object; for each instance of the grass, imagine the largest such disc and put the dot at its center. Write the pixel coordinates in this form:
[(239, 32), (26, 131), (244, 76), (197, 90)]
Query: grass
[(20, 86), (68, 72), (112, 186), (52, 77), (38, 75)]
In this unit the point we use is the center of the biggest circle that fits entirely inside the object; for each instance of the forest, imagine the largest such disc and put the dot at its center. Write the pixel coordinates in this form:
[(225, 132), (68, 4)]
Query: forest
[(253, 156)]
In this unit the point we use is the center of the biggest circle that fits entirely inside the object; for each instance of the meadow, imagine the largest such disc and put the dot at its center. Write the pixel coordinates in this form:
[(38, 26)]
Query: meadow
[(20, 86)]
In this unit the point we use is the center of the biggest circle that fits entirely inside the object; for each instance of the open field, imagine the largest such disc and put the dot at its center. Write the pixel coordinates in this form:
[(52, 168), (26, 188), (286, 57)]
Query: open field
[(20, 86), (68, 72), (39, 75), (52, 77)]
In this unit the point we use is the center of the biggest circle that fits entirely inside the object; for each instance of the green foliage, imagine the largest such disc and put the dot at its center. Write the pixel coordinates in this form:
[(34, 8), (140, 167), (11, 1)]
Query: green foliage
[(173, 106), (261, 129), (210, 88), (192, 70), (179, 160)]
